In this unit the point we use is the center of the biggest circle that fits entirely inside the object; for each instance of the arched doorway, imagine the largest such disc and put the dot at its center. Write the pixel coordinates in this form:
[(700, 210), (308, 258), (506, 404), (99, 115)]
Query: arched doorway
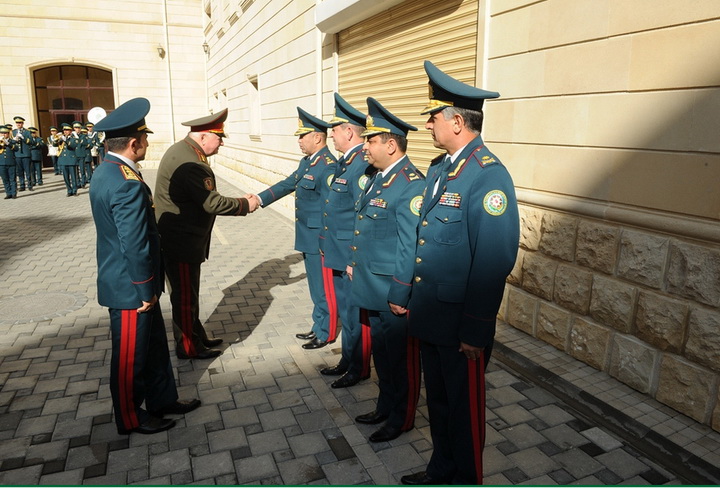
[(65, 93)]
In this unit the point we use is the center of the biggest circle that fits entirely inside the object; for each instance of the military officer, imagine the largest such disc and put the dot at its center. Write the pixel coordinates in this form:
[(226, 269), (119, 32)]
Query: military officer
[(36, 145), (53, 141), (381, 268), (67, 160), (186, 204), (22, 154), (130, 278), (81, 151), (351, 174), (94, 141), (467, 245), (311, 184), (8, 166)]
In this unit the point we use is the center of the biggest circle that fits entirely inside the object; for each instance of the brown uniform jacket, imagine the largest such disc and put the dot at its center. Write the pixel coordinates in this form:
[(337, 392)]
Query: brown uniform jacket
[(186, 203)]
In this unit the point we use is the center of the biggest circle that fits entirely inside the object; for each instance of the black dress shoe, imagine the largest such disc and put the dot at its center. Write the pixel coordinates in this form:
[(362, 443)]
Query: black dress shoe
[(179, 407), (421, 478), (336, 370), (152, 426), (346, 380), (315, 344), (204, 354), (371, 418), (385, 433), (307, 336), (215, 341)]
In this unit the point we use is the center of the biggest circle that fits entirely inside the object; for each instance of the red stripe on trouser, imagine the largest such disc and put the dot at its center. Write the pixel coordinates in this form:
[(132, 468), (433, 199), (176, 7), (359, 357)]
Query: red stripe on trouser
[(366, 341), (330, 298), (413, 377), (128, 329), (186, 318), (476, 383)]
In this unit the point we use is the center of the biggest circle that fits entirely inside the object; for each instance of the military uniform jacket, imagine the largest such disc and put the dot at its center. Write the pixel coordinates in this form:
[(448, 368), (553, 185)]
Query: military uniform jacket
[(351, 175), (22, 148), (66, 153), (311, 184), (36, 145), (130, 268), (7, 154), (467, 244), (187, 201), (82, 147), (383, 247)]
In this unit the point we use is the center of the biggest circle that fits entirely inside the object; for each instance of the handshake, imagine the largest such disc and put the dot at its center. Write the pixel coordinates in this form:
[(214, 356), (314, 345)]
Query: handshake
[(254, 202)]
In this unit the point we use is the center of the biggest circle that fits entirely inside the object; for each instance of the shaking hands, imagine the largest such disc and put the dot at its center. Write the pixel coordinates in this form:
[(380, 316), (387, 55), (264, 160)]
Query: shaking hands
[(253, 201)]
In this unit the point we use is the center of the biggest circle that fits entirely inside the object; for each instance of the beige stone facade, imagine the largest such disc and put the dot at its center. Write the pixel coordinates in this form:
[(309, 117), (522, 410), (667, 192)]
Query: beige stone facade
[(608, 122)]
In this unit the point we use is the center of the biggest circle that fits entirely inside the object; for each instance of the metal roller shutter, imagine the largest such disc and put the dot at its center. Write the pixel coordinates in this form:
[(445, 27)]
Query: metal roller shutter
[(382, 57)]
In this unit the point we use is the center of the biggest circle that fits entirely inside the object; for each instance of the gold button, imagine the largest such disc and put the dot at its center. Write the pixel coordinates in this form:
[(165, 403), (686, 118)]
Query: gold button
[(418, 260), (354, 248), (357, 232), (325, 214), (418, 279), (360, 217), (424, 223), (326, 227), (378, 192), (326, 201), (445, 219), (353, 264), (374, 215), (421, 242), (296, 219)]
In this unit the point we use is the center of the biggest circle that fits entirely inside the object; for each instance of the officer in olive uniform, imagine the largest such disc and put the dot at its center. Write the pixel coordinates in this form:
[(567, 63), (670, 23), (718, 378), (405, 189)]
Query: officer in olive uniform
[(53, 141), (36, 145), (467, 244), (8, 166), (22, 154), (381, 269), (311, 183), (186, 204), (130, 278), (351, 174), (67, 162)]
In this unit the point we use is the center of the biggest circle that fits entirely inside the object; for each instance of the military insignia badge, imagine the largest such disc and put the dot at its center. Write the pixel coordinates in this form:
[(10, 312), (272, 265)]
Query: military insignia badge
[(450, 199), (362, 182), (330, 180), (369, 122), (341, 181), (128, 173), (416, 205), (208, 183), (485, 160), (495, 202), (378, 202), (309, 177)]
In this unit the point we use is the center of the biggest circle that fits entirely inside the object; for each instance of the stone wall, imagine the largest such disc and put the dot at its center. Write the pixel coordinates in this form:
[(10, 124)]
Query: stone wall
[(641, 305)]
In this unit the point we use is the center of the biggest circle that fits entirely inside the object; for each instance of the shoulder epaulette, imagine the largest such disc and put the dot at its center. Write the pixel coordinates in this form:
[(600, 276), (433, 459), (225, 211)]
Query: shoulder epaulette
[(328, 161), (487, 160), (128, 173)]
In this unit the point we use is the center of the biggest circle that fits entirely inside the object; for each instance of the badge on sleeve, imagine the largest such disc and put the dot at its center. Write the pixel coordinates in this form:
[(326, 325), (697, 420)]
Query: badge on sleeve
[(362, 182), (208, 182), (416, 205), (495, 202)]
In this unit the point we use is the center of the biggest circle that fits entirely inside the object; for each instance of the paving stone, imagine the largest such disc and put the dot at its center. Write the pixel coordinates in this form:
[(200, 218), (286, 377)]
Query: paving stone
[(37, 425), (50, 451), (23, 476), (523, 436), (602, 439), (212, 465), (72, 477), (494, 461), (533, 462), (169, 463), (239, 417), (514, 414), (84, 456), (347, 472), (577, 463), (277, 419), (308, 444), (227, 439), (127, 459), (265, 442), (564, 437), (400, 458), (255, 468), (552, 415), (506, 395)]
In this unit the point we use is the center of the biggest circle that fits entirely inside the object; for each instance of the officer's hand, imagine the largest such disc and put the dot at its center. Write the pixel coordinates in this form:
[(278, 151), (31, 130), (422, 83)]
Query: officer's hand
[(397, 309), (253, 201), (348, 270), (471, 352), (147, 306)]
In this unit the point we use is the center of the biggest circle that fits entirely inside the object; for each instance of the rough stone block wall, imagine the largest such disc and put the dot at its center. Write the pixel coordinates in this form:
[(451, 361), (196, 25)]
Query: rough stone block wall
[(640, 305)]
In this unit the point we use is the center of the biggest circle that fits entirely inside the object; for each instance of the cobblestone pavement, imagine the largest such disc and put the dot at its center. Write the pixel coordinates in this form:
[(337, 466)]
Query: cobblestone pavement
[(268, 416)]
